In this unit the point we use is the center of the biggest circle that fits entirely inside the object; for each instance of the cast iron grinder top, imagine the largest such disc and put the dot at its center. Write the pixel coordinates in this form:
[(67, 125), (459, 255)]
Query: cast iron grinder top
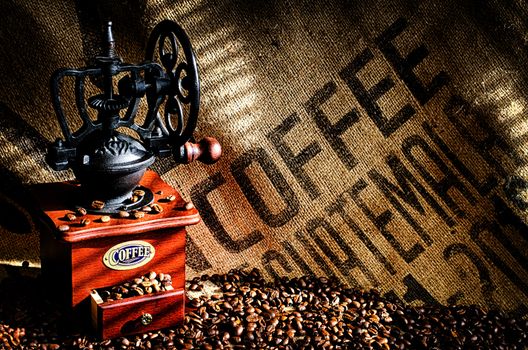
[(109, 163)]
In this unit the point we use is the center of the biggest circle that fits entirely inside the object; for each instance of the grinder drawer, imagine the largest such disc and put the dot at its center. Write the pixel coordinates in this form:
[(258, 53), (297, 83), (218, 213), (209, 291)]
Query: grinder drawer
[(137, 314)]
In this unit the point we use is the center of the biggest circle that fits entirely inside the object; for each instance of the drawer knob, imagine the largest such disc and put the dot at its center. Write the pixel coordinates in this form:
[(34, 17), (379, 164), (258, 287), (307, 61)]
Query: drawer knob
[(146, 319)]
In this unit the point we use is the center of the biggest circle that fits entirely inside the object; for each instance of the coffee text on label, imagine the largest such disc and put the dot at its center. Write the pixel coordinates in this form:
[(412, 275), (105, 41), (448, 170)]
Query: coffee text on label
[(129, 255)]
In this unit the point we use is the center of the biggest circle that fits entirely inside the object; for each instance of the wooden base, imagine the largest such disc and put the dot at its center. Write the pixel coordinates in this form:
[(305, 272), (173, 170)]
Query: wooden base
[(84, 258)]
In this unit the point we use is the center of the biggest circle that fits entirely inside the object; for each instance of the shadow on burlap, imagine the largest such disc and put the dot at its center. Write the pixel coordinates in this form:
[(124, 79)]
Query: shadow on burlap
[(381, 143)]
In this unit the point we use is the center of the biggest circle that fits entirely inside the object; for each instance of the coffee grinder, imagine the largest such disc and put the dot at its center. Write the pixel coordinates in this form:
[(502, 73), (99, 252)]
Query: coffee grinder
[(118, 220)]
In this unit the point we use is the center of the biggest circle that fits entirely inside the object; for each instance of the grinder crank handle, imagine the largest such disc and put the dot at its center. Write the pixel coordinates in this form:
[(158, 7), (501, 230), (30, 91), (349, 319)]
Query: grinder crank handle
[(207, 151)]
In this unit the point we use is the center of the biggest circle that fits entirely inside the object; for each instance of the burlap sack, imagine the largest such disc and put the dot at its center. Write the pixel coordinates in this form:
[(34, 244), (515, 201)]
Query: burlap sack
[(378, 142)]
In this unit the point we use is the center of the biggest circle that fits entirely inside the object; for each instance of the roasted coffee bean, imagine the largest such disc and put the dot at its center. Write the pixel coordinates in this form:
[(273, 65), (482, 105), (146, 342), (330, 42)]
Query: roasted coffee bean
[(63, 228), (81, 211), (98, 204), (170, 198), (123, 214), (189, 206), (146, 209), (166, 283), (139, 193), (146, 283), (156, 208), (85, 222), (70, 217), (138, 214), (195, 287), (137, 291), (105, 218), (134, 198)]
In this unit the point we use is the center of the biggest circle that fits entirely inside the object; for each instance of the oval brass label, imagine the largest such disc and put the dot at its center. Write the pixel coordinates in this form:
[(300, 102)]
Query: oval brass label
[(129, 255)]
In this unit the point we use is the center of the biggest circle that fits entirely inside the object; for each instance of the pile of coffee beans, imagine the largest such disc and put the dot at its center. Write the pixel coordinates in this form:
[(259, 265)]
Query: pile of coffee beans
[(316, 313), (150, 283), (241, 310)]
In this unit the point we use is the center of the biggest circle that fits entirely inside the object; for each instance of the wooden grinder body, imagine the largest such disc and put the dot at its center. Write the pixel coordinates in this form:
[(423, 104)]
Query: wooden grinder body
[(73, 261)]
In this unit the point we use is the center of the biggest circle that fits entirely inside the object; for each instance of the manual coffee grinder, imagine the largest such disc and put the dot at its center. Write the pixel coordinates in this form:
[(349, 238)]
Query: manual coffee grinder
[(118, 220)]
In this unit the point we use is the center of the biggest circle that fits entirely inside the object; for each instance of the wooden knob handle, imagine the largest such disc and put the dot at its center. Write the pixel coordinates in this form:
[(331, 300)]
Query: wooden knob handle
[(207, 151)]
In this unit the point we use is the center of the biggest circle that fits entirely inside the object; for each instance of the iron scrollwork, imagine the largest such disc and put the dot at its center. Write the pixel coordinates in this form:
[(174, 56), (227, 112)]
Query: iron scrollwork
[(168, 80)]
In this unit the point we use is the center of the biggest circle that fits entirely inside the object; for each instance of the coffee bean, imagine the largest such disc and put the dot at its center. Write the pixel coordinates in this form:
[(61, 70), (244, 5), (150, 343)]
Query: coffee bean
[(70, 217), (123, 214), (139, 193), (137, 291), (97, 204), (189, 206), (134, 198), (63, 228), (170, 198), (156, 208), (85, 222), (105, 218), (195, 287), (138, 214), (252, 318), (81, 211), (146, 209)]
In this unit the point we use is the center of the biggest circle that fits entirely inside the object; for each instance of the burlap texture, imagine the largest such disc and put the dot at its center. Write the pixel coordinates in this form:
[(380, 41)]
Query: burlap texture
[(379, 142)]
